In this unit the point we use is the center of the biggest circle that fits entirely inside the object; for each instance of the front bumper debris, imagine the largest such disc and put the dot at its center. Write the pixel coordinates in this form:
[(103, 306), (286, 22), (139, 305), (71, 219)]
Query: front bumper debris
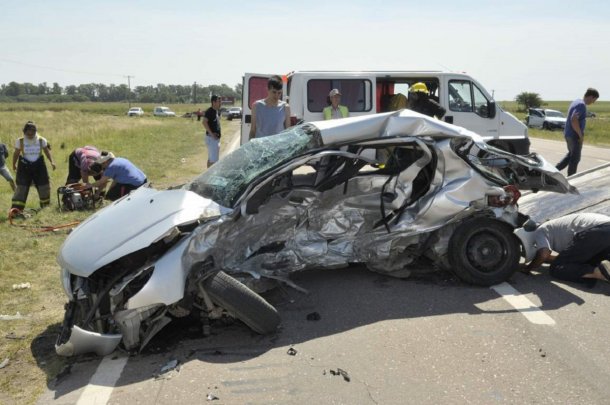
[(83, 341)]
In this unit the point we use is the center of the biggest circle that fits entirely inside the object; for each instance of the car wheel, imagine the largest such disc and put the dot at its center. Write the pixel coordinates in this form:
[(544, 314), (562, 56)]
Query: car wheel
[(242, 302), (545, 126), (484, 251)]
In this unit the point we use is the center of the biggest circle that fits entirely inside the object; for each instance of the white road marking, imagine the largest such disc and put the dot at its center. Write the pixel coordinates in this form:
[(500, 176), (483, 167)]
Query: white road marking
[(100, 387), (533, 313)]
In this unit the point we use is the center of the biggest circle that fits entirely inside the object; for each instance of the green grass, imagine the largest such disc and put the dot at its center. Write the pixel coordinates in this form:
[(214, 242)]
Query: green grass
[(597, 131), (169, 150)]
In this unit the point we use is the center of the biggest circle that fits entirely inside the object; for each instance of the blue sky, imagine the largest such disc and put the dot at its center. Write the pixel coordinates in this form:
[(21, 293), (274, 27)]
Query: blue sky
[(555, 48)]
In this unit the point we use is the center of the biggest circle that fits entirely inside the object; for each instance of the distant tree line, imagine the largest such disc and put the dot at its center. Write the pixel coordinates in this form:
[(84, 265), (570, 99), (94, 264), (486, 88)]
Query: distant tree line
[(160, 93)]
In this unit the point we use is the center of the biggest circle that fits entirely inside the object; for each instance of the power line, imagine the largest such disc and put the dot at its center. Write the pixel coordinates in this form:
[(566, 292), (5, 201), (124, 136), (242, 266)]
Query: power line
[(59, 69)]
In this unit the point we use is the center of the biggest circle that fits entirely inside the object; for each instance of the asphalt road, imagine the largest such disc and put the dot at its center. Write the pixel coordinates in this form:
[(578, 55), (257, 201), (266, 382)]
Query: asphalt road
[(554, 151), (380, 340)]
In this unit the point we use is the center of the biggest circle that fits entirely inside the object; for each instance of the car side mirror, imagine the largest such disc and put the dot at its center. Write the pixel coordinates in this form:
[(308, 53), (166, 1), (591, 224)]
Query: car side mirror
[(491, 109)]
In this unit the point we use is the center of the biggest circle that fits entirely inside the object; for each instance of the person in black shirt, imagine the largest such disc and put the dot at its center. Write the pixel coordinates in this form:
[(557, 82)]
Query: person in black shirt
[(420, 101), (211, 122)]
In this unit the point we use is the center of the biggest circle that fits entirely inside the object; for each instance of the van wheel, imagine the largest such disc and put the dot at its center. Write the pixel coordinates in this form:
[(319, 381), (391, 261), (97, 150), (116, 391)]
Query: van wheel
[(242, 302), (483, 251)]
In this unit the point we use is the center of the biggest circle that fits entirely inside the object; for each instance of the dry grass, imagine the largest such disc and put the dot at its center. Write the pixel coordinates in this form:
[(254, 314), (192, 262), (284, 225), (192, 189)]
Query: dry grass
[(156, 145)]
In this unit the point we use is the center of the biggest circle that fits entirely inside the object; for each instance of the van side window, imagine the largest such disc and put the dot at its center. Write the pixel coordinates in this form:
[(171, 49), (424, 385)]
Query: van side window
[(460, 97), (356, 94)]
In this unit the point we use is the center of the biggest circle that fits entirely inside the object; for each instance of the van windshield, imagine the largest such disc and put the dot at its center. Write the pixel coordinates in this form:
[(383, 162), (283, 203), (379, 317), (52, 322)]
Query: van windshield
[(226, 180)]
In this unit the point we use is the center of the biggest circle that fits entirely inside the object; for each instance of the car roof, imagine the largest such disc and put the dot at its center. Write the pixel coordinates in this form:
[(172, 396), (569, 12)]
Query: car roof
[(393, 124)]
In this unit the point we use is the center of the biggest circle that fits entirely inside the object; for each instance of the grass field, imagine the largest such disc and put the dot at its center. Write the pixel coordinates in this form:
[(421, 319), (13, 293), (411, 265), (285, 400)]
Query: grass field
[(169, 150), (597, 131)]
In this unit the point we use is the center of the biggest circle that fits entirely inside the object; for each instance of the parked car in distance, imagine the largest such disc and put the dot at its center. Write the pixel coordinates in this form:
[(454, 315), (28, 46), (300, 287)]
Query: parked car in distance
[(163, 112), (135, 112), (234, 112), (545, 119)]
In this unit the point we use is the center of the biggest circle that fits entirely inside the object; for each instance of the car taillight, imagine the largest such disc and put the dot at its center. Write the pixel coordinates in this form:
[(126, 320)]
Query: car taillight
[(510, 197)]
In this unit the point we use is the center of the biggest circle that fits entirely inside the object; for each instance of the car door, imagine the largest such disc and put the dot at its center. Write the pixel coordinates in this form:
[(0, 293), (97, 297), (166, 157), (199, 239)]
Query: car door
[(254, 88), (536, 118)]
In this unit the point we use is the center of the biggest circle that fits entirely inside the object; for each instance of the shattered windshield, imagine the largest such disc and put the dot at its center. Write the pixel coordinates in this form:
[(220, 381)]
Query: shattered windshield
[(229, 177)]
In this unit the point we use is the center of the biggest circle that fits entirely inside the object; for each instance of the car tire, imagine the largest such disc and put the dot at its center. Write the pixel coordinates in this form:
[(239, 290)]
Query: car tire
[(484, 251), (242, 302), (545, 126)]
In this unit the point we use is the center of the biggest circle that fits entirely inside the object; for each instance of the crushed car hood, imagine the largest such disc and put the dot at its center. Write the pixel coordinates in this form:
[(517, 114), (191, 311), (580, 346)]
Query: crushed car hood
[(130, 224)]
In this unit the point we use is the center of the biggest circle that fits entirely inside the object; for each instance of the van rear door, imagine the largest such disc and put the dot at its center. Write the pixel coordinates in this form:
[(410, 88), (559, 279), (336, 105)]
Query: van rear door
[(254, 88)]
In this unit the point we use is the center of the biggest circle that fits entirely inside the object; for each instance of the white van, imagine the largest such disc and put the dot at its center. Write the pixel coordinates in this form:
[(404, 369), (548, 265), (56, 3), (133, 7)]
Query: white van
[(467, 102)]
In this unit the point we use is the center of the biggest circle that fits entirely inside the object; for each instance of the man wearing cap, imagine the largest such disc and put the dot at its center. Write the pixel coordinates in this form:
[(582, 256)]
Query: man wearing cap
[(420, 101), (125, 175), (334, 110), (582, 241)]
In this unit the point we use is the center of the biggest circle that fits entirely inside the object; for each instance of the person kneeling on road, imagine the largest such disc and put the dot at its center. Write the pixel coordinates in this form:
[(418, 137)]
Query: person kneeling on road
[(125, 175), (582, 241)]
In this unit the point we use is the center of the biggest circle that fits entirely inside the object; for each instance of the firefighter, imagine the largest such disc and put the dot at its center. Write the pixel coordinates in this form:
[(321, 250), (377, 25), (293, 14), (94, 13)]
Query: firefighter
[(420, 101), (29, 163)]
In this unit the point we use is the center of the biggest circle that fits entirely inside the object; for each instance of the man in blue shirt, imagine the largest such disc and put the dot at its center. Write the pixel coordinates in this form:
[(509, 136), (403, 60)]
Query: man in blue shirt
[(574, 131), (125, 175)]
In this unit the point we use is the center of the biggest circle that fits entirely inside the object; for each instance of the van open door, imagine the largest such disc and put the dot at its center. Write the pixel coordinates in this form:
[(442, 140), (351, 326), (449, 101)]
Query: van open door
[(254, 88)]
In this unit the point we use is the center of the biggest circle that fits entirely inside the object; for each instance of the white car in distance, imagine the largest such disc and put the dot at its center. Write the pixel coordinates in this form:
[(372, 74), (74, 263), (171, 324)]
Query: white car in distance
[(135, 112), (163, 112)]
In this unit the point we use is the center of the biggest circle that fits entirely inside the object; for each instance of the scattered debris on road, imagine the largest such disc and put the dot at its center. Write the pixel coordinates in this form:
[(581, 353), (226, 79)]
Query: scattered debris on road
[(166, 371), (342, 373), (292, 351), (314, 316), (212, 397), (22, 286), (13, 336), (4, 363)]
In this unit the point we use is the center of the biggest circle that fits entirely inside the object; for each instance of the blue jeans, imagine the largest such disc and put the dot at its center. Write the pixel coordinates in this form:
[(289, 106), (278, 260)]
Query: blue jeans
[(572, 158)]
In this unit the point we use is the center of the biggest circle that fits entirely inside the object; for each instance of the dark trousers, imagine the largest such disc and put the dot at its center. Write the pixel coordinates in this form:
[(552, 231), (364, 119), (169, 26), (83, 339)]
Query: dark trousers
[(572, 158), (587, 250), (28, 173), (119, 190), (74, 175)]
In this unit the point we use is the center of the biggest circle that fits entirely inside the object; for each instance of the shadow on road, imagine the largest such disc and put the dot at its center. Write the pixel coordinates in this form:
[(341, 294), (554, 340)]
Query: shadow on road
[(344, 300)]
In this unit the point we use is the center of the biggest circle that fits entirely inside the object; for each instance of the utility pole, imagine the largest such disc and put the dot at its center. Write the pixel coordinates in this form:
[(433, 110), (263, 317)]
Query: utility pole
[(129, 87), (194, 92)]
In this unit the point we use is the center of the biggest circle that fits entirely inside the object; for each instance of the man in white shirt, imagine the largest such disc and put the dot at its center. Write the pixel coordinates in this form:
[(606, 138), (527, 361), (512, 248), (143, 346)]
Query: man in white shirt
[(582, 242)]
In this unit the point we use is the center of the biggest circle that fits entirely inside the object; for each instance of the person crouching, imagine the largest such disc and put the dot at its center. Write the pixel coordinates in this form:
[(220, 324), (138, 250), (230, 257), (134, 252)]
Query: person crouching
[(125, 175), (29, 163), (79, 162)]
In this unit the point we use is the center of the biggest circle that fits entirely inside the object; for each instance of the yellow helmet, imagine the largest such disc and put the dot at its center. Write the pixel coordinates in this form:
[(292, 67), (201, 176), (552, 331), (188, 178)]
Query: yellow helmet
[(419, 87)]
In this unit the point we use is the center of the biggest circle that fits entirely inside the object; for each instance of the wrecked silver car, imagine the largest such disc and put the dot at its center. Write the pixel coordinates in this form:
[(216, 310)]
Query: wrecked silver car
[(391, 191)]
